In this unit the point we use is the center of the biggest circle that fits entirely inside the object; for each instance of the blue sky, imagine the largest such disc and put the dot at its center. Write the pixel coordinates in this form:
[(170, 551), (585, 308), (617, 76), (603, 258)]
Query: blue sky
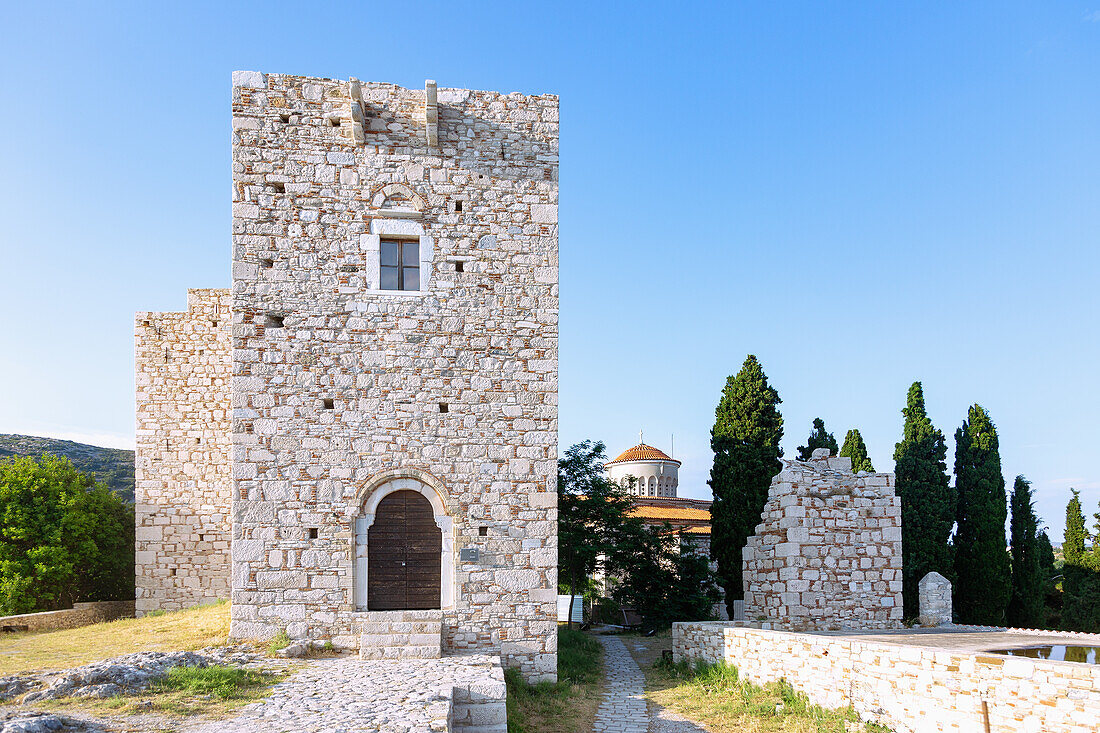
[(862, 194)]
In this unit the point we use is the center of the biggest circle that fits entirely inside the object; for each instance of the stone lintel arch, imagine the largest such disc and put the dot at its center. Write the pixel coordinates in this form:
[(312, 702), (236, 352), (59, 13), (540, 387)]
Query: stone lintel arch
[(367, 498), (398, 191)]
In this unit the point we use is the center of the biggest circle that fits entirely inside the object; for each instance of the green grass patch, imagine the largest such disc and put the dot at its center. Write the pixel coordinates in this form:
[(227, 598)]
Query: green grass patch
[(716, 695), (566, 706), (279, 641), (224, 683)]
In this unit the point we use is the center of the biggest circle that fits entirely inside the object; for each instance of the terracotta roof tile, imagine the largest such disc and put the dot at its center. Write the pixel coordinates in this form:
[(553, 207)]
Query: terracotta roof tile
[(643, 452)]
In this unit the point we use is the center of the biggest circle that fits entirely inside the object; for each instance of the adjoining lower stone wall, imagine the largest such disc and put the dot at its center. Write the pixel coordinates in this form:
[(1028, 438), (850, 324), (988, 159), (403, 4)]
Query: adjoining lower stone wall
[(827, 554), (81, 614), (910, 689), (182, 471)]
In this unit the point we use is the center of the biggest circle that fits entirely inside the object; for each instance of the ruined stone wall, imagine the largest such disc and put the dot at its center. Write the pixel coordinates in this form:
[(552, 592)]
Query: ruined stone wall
[(827, 554), (182, 489), (339, 385)]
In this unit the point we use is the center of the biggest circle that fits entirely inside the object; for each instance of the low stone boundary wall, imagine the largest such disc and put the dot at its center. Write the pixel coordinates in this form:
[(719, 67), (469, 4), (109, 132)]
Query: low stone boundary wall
[(81, 614), (909, 688)]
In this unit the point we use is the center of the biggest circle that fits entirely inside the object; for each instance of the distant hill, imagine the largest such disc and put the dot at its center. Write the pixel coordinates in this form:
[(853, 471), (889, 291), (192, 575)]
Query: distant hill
[(112, 466)]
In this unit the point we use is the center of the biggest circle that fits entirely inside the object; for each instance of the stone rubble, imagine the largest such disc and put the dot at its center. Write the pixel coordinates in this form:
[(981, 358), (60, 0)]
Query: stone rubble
[(127, 674), (19, 721)]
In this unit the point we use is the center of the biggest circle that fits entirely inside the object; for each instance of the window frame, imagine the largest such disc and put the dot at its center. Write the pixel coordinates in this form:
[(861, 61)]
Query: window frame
[(401, 266)]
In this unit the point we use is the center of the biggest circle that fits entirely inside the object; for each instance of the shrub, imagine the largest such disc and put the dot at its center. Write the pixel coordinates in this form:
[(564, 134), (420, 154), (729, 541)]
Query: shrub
[(280, 641)]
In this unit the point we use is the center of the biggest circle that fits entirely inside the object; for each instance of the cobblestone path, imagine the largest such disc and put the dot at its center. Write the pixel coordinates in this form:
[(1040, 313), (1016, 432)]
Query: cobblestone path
[(623, 708)]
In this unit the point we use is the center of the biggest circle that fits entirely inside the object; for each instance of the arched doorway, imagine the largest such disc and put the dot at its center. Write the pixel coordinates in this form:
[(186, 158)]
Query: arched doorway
[(404, 548), (385, 549)]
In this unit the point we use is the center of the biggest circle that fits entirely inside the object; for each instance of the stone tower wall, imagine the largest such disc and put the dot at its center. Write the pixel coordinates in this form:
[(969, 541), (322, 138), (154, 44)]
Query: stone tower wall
[(827, 554), (183, 480), (455, 385)]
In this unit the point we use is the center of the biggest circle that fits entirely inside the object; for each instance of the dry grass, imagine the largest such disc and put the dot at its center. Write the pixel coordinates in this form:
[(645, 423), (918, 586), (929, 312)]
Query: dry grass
[(567, 706), (178, 631), (716, 698)]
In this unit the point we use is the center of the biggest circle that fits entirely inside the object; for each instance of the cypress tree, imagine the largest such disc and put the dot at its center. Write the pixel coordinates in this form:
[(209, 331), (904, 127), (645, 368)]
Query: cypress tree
[(984, 580), (927, 499), (818, 439), (856, 449), (1073, 549), (745, 440), (1025, 607)]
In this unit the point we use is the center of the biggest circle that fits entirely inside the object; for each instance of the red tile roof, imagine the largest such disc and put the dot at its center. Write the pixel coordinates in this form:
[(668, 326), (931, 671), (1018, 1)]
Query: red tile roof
[(643, 452)]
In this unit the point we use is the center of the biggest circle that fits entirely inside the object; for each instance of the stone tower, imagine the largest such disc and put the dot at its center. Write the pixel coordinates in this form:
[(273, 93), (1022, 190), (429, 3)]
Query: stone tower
[(394, 364)]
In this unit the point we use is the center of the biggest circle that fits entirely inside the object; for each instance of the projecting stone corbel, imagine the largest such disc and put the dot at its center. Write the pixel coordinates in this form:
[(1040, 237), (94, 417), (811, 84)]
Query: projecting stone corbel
[(431, 113), (355, 102)]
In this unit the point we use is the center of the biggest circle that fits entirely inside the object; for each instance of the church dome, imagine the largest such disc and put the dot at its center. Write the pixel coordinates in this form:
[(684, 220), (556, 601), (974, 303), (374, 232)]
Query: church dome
[(643, 452), (645, 471)]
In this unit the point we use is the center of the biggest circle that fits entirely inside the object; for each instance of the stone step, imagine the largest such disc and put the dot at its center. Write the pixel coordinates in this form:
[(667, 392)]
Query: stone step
[(408, 651)]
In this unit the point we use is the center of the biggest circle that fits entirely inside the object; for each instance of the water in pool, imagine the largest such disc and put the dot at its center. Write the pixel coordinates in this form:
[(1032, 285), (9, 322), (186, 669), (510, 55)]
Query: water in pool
[(1056, 652)]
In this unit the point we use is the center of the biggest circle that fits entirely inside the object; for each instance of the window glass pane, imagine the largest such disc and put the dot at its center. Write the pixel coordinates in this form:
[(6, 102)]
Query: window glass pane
[(389, 254), (410, 254), (412, 278), (389, 278)]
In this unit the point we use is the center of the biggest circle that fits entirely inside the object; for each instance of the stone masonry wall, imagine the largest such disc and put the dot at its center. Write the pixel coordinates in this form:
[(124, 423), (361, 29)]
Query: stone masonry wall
[(182, 490), (827, 554), (81, 614), (337, 384), (909, 689)]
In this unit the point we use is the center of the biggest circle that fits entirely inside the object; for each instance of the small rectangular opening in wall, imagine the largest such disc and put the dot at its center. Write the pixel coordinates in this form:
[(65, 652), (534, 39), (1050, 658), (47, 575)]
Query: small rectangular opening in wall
[(272, 320), (458, 207), (328, 404), (266, 263), (333, 121), (483, 531), (443, 407), (277, 187), (172, 571), (313, 533), (460, 266), (198, 441), (284, 119)]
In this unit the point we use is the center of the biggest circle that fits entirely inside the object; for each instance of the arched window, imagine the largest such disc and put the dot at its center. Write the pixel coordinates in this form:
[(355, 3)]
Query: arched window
[(652, 485)]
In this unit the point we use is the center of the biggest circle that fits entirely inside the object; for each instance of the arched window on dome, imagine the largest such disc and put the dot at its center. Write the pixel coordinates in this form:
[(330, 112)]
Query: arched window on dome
[(652, 485)]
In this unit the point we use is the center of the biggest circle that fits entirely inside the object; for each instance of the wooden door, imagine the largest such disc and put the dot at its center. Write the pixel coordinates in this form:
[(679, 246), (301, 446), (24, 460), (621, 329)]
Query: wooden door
[(403, 554)]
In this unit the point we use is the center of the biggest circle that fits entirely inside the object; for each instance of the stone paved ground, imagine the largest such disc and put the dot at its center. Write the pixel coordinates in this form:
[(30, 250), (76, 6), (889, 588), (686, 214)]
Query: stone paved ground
[(646, 651), (347, 695), (624, 708)]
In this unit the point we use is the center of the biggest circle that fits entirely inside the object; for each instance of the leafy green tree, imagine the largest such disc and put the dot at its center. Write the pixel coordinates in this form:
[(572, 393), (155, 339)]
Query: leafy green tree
[(981, 555), (745, 440), (927, 499), (664, 580), (818, 439), (63, 537), (1080, 599), (592, 511), (856, 449), (1073, 549), (1052, 593), (1025, 606)]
